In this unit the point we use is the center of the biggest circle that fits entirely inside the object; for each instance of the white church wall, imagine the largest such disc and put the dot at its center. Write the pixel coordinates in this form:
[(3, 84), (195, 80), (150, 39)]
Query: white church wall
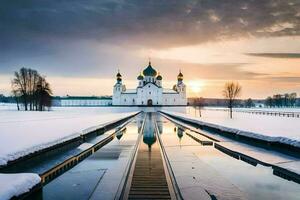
[(116, 99), (149, 92), (128, 99)]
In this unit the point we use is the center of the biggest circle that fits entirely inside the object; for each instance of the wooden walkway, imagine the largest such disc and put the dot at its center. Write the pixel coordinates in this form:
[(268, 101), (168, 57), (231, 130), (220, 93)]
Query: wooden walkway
[(149, 179)]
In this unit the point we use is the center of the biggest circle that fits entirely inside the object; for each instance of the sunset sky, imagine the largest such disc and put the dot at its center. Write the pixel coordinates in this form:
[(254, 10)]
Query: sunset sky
[(79, 45)]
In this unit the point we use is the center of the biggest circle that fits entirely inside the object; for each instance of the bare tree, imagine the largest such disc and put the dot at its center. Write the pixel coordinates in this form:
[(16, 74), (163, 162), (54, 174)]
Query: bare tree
[(231, 92), (249, 103), (16, 94), (43, 94), (199, 103), (32, 78), (19, 83), (269, 102), (31, 89), (278, 100), (292, 99)]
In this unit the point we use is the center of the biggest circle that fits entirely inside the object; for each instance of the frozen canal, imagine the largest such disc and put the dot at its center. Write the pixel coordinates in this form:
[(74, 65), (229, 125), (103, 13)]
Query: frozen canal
[(199, 170)]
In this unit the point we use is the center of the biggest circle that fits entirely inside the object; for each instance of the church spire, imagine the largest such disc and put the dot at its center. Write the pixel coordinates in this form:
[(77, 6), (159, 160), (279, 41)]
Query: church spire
[(119, 76), (180, 76)]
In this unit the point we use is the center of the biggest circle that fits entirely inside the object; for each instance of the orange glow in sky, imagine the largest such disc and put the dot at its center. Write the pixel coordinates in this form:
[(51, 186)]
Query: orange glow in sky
[(80, 47)]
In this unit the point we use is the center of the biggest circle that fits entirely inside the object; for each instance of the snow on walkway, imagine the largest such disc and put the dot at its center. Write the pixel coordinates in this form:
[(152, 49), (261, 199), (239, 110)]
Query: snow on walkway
[(268, 128), (13, 185), (274, 126), (23, 132)]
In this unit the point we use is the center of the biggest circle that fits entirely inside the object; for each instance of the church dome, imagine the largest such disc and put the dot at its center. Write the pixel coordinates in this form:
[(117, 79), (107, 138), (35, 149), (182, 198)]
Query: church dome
[(159, 77), (140, 77), (180, 76), (119, 76), (149, 71)]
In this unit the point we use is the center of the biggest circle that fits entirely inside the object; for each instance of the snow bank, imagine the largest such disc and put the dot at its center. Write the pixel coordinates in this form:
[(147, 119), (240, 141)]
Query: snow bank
[(13, 185), (23, 133), (238, 132)]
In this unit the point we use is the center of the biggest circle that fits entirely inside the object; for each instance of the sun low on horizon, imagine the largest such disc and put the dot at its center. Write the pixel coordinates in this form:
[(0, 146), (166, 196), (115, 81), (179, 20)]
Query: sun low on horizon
[(195, 87)]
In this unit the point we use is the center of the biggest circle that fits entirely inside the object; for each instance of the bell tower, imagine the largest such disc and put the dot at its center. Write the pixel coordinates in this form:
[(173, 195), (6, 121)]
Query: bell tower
[(181, 88), (117, 89)]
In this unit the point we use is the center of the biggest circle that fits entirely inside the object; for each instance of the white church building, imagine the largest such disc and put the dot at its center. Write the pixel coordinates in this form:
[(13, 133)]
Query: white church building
[(149, 91)]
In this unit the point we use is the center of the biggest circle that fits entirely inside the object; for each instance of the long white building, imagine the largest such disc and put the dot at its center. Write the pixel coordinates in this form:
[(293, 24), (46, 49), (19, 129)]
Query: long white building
[(149, 91), (82, 101)]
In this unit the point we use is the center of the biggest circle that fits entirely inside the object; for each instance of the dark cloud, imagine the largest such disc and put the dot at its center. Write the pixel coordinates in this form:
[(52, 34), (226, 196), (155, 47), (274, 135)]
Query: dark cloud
[(71, 37), (275, 55), (155, 23)]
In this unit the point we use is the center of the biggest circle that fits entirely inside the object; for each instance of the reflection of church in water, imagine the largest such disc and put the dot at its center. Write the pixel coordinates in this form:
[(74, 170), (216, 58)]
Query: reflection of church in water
[(149, 136)]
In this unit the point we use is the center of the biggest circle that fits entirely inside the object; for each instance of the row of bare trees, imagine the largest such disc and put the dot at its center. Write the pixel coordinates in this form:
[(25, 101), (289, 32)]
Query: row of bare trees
[(31, 90), (282, 100)]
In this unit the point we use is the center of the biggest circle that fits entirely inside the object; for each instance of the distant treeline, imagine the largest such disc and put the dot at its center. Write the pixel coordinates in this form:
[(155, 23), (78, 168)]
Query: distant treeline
[(282, 100), (286, 100), (215, 102), (30, 90), (5, 99)]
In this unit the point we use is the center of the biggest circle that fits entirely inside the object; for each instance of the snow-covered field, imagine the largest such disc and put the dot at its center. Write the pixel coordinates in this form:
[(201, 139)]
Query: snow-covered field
[(16, 184), (251, 124), (24, 132)]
